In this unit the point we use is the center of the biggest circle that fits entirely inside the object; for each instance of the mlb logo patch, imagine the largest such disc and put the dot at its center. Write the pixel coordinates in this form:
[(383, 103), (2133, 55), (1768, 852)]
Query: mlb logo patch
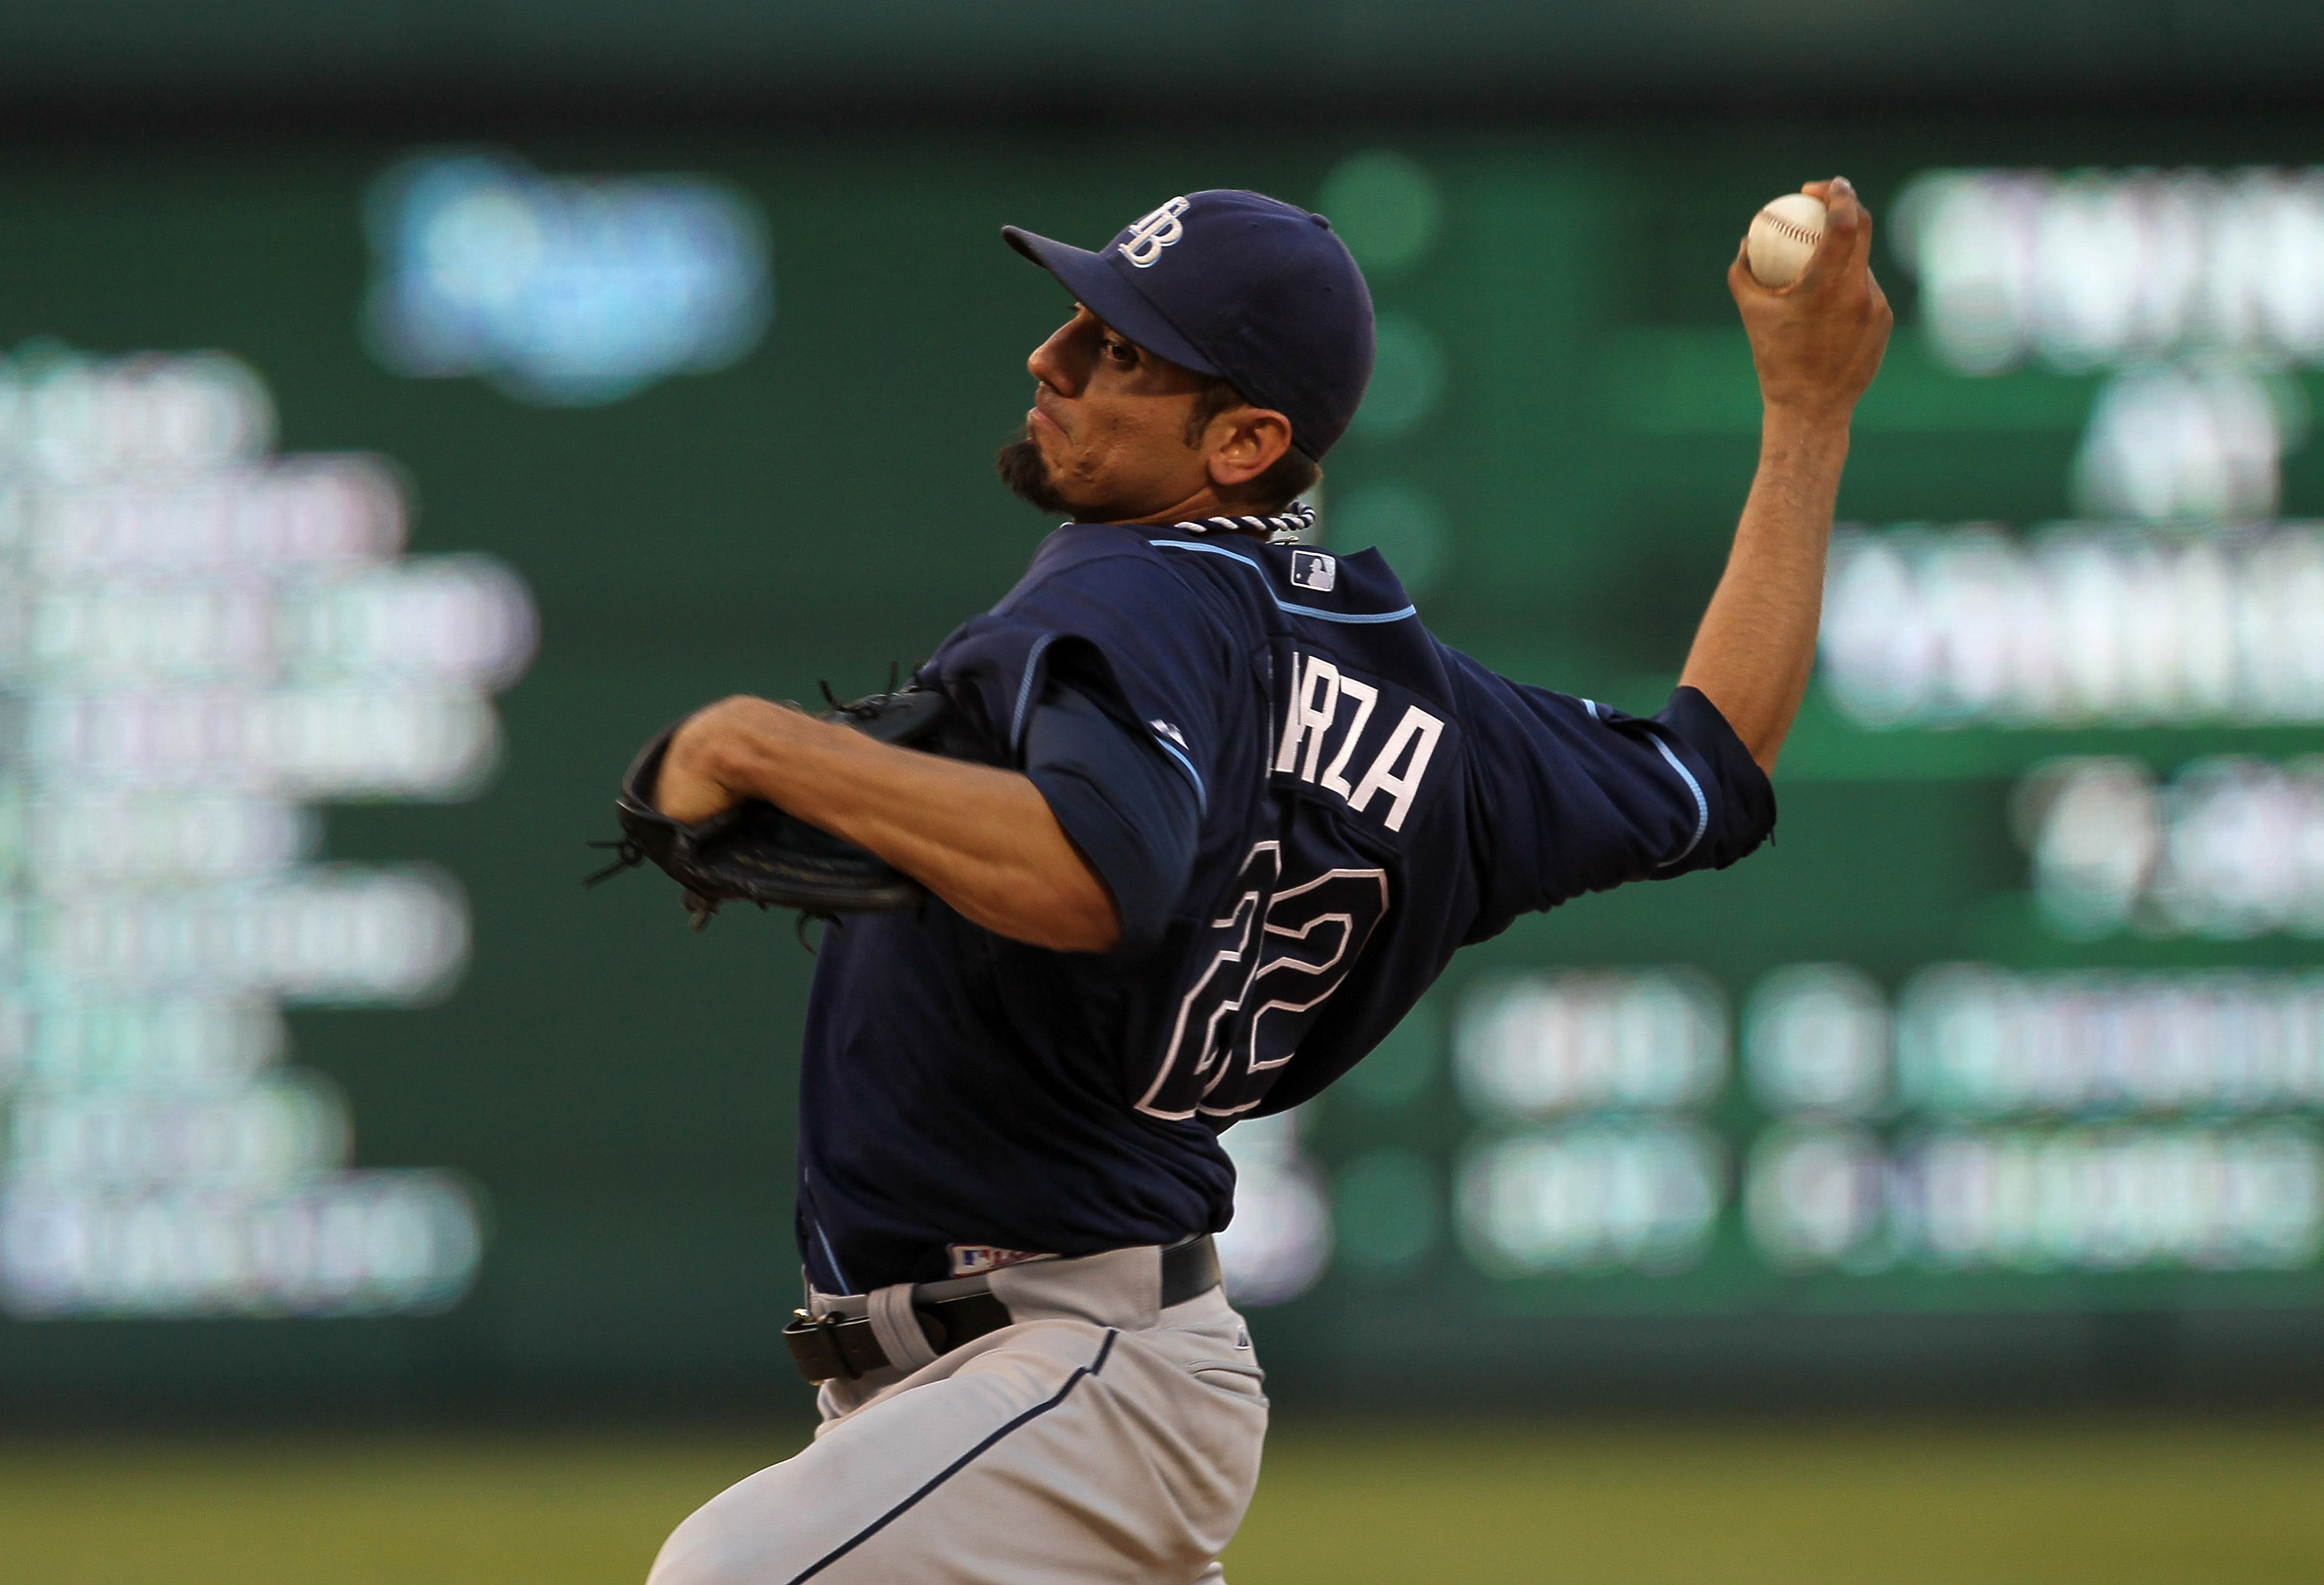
[(1312, 569), (977, 1260)]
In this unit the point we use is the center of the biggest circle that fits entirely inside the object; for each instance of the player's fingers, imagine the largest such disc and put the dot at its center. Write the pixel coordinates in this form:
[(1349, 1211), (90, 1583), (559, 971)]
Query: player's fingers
[(1863, 236), (1841, 205), (1740, 281), (1843, 221)]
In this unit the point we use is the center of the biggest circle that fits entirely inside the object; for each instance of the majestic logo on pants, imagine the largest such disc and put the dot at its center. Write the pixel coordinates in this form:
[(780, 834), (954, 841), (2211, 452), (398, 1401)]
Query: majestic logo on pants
[(1155, 232)]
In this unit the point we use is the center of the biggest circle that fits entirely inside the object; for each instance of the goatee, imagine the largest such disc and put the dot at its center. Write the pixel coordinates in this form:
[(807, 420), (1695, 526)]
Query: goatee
[(1022, 468)]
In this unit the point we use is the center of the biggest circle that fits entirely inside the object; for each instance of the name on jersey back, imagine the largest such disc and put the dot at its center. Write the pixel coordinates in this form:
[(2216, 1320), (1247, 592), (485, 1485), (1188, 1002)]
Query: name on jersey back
[(1330, 732)]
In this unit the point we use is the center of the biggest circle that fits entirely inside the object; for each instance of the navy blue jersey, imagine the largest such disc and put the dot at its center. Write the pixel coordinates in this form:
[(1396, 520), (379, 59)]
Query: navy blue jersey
[(1369, 801)]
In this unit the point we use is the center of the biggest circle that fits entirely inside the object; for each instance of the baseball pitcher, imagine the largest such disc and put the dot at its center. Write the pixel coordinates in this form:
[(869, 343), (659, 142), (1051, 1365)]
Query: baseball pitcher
[(1169, 838)]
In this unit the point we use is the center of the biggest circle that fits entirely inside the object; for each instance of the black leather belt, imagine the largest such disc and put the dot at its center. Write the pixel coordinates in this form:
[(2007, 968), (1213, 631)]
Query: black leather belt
[(951, 1313)]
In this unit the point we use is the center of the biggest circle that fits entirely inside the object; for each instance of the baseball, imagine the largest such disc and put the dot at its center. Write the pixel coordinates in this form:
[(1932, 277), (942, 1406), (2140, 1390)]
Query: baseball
[(1783, 237)]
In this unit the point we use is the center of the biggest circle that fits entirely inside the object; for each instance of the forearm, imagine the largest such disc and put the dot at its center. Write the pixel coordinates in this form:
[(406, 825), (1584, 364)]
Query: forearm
[(1816, 345), (981, 839), (1755, 649)]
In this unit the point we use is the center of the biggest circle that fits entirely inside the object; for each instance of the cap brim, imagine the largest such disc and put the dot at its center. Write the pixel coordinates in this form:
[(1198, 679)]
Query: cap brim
[(1100, 288)]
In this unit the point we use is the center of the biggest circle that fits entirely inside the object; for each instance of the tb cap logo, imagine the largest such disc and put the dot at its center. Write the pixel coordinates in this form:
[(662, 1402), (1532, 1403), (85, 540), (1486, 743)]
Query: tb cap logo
[(1153, 233)]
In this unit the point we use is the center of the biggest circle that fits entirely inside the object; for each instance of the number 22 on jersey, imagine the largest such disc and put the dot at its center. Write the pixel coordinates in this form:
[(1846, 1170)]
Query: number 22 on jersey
[(1308, 899)]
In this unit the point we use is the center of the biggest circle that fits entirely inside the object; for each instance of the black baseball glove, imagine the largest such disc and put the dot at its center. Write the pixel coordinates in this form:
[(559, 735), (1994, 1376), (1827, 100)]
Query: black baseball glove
[(754, 851)]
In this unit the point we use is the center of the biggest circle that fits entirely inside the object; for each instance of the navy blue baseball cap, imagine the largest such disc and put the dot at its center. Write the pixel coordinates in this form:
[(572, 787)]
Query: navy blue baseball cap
[(1237, 285)]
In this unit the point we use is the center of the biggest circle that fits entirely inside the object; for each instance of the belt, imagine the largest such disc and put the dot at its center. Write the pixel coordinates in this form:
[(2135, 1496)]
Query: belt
[(954, 1312)]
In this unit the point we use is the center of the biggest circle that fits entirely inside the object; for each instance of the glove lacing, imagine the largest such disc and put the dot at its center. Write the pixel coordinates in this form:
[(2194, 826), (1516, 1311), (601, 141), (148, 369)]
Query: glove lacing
[(627, 855)]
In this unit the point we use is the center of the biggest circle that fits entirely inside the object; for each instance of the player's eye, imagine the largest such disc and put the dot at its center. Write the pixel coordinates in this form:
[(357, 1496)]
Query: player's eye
[(1120, 353)]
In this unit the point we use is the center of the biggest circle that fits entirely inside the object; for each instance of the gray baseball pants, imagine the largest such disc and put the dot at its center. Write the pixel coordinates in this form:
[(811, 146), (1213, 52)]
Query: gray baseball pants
[(1098, 1438)]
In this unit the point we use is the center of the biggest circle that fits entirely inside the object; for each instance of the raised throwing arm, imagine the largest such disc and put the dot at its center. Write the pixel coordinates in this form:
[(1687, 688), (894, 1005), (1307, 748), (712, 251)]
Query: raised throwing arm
[(1816, 345), (983, 839)]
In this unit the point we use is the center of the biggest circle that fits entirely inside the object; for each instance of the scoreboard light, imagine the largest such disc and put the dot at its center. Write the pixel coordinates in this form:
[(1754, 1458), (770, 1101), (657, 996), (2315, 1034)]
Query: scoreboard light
[(2079, 624), (2231, 847), (2101, 268), (565, 291), (202, 639)]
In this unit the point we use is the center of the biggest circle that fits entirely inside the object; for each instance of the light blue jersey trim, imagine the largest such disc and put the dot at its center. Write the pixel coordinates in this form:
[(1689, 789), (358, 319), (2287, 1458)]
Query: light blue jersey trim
[(1702, 803), (1280, 603), (829, 1254), (1025, 688), (1202, 797), (1367, 616), (1025, 700), (832, 1257)]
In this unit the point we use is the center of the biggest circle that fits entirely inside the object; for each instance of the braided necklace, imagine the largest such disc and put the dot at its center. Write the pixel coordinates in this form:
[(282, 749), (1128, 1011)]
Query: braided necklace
[(1290, 523)]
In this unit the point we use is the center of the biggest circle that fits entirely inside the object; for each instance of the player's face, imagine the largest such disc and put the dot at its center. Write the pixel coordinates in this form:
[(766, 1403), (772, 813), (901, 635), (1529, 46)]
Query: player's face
[(1106, 436)]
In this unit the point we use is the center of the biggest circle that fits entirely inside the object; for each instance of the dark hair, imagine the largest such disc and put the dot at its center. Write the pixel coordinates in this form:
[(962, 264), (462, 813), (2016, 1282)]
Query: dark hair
[(1293, 471)]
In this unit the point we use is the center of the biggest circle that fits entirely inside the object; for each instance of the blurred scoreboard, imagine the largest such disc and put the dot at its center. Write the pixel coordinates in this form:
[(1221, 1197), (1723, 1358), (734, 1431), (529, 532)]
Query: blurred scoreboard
[(360, 510)]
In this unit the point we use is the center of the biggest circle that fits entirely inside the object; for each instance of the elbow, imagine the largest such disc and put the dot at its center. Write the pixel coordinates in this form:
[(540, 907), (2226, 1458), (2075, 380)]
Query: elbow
[(1081, 917), (1091, 936), (1072, 909), (1066, 909), (1764, 750)]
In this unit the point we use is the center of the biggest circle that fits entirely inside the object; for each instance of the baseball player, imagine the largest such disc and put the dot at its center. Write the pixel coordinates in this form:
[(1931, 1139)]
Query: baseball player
[(1228, 810)]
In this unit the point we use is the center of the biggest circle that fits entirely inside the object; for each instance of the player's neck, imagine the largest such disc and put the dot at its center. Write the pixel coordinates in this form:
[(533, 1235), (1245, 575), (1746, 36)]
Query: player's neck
[(1203, 508)]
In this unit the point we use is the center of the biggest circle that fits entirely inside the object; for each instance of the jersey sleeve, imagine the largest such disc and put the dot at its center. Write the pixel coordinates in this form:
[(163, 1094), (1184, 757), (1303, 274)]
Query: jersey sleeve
[(1123, 633), (1570, 795), (1121, 803)]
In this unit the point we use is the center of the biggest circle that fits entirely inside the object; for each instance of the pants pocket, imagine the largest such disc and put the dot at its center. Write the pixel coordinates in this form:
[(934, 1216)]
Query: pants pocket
[(1233, 1376)]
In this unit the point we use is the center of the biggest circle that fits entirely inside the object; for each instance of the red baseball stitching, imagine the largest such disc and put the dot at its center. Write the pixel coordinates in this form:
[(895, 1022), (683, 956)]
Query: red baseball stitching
[(1796, 232)]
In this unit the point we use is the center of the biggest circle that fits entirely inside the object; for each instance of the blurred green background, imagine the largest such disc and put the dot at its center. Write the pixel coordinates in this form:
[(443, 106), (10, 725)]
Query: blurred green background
[(1560, 441), (1546, 198)]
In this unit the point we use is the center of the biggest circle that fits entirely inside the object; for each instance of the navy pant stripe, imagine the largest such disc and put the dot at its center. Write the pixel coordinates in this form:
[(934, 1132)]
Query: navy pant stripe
[(957, 1465)]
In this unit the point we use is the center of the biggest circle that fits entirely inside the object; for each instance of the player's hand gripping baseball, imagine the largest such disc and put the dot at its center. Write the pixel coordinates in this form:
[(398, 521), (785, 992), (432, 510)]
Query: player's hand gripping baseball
[(1817, 344)]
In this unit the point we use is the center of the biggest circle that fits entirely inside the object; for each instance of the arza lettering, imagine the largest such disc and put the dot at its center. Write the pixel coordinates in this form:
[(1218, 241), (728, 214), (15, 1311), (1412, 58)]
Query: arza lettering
[(1326, 701)]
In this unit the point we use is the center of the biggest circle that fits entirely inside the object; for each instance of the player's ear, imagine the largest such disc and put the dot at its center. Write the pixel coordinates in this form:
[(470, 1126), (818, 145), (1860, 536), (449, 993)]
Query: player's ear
[(1245, 442)]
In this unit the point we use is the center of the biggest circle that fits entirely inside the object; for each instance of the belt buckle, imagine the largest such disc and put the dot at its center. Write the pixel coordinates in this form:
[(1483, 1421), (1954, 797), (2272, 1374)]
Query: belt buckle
[(814, 1343)]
